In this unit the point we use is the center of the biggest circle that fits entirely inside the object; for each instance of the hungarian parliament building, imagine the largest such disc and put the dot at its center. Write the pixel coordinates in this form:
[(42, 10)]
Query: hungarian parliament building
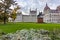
[(51, 15), (47, 16)]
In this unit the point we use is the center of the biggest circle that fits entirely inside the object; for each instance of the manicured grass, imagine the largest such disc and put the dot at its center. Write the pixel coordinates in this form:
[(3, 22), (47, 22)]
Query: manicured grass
[(12, 27)]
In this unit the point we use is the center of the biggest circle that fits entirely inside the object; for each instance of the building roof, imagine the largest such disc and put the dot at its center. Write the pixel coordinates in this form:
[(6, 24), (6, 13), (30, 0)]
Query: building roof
[(58, 8), (51, 10), (46, 7), (54, 11), (33, 11)]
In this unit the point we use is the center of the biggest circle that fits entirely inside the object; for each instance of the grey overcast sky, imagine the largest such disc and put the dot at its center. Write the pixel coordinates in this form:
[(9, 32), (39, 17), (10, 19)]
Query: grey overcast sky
[(39, 4)]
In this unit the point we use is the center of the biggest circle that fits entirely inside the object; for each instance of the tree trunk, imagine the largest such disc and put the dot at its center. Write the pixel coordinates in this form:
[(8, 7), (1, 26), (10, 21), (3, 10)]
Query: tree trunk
[(5, 16), (4, 20)]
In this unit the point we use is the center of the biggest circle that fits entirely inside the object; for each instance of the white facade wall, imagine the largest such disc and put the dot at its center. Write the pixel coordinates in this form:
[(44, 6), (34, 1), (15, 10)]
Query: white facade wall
[(46, 17), (26, 18), (29, 18), (34, 18), (51, 17), (18, 18)]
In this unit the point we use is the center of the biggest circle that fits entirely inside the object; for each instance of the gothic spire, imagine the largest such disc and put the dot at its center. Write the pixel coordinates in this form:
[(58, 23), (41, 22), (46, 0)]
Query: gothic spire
[(46, 7)]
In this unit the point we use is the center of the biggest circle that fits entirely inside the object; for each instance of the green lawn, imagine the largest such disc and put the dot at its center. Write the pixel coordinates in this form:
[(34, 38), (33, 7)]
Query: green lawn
[(12, 27)]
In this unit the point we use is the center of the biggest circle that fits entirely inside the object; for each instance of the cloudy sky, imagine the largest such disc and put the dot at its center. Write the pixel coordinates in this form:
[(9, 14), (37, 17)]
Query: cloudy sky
[(39, 4)]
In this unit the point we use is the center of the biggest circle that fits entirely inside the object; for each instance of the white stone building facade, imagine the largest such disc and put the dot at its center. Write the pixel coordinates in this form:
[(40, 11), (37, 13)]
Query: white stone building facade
[(50, 15), (32, 17)]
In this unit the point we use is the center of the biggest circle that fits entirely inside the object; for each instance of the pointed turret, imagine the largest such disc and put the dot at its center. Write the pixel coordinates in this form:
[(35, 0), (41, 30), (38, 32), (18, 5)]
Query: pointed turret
[(46, 7), (33, 12)]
